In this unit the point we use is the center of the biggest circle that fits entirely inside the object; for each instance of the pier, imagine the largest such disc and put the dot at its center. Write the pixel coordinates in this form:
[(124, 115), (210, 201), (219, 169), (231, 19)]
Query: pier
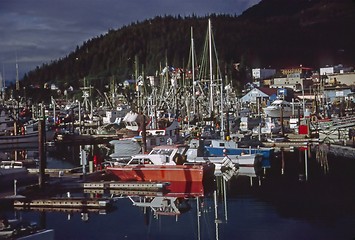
[(64, 202), (87, 139), (138, 186)]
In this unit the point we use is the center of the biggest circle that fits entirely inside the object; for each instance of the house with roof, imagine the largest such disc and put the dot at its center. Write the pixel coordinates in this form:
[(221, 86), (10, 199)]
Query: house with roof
[(296, 78), (266, 95), (261, 94)]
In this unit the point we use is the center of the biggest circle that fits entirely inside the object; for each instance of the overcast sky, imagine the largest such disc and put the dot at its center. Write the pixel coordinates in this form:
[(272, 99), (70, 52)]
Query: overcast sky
[(33, 32)]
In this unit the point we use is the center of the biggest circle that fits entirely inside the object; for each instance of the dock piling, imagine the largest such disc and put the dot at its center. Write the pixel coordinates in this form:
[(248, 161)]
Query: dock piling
[(15, 187), (41, 151), (306, 163), (282, 160)]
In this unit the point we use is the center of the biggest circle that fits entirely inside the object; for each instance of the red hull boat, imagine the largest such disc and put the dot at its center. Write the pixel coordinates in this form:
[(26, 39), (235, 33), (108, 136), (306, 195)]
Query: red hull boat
[(163, 164), (163, 173)]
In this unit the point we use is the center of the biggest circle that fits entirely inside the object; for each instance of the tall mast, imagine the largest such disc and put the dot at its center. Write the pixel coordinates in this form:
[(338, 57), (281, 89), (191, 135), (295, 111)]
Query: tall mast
[(193, 71), (17, 77), (2, 87), (211, 67), (3, 78)]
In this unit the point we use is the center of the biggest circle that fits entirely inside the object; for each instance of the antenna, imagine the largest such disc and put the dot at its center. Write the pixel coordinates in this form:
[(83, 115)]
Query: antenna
[(17, 78), (3, 76), (1, 86)]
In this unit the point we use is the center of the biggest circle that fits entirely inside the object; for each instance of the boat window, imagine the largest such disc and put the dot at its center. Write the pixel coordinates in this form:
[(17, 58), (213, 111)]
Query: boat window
[(221, 144), (155, 151), (162, 151), (147, 161), (135, 161), (208, 143)]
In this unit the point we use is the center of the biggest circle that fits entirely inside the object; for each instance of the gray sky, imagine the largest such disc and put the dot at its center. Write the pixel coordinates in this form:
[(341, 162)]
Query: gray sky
[(33, 32)]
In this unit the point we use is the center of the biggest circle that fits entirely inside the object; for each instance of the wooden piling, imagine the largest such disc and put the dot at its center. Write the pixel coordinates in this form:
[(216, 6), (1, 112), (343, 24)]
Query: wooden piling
[(41, 152), (282, 160), (144, 135)]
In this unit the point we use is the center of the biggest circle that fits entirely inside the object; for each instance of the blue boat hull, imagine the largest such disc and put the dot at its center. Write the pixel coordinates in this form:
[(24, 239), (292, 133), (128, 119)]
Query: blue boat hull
[(219, 151)]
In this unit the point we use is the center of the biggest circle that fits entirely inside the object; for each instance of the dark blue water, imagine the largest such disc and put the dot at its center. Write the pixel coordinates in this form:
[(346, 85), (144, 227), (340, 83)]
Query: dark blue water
[(283, 207)]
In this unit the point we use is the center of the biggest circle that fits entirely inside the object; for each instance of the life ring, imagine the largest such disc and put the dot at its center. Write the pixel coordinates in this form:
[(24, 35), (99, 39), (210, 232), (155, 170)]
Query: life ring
[(314, 118)]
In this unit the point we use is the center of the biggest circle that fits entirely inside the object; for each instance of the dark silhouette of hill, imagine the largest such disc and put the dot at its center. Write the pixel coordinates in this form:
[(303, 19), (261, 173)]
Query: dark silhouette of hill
[(273, 33)]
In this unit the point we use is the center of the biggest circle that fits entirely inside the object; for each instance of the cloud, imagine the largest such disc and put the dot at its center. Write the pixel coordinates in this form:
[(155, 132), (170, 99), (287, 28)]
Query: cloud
[(34, 32)]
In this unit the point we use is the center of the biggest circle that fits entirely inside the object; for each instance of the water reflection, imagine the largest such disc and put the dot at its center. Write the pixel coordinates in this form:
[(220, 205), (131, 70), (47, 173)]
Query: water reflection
[(281, 207), (156, 207)]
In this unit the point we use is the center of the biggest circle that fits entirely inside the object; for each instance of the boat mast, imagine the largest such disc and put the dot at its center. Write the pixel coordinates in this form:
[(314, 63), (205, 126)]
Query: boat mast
[(17, 77), (222, 112), (193, 72), (3, 86), (211, 67)]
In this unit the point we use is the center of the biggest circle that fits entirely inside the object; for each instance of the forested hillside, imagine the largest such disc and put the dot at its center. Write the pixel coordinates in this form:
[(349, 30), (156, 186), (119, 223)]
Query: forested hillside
[(273, 33)]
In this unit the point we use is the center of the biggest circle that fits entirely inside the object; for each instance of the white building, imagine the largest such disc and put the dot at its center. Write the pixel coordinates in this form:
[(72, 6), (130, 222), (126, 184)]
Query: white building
[(260, 74), (343, 79), (326, 71), (335, 69), (258, 94), (293, 81)]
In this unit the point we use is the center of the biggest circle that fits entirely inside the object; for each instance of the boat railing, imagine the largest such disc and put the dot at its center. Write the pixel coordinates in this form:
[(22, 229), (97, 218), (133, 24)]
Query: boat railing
[(11, 164)]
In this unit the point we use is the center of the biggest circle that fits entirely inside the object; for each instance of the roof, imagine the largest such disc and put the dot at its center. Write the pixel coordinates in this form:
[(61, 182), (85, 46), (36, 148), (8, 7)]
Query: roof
[(268, 91)]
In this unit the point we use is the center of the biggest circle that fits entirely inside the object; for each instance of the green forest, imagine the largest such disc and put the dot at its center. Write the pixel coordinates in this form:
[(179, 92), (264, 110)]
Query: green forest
[(271, 34)]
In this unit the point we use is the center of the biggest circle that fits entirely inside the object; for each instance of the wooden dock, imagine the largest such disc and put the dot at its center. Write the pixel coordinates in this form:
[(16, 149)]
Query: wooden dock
[(63, 202), (78, 203), (85, 138), (135, 186), (65, 209), (287, 145)]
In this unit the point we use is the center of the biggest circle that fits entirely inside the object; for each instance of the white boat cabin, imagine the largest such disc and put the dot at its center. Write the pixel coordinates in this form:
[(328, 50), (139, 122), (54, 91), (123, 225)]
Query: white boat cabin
[(151, 159), (216, 143)]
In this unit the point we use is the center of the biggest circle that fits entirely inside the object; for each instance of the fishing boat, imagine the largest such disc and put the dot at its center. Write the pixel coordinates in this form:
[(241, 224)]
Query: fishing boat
[(29, 135), (170, 166), (279, 106), (182, 154), (19, 139), (166, 133), (223, 160), (220, 148), (244, 160), (124, 126), (124, 148), (6, 123)]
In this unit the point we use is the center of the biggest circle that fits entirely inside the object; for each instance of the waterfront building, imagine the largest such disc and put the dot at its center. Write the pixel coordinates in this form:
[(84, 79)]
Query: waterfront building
[(260, 74), (257, 94)]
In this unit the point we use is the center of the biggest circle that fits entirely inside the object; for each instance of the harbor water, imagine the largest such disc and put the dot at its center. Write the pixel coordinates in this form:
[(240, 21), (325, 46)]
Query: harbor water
[(278, 205)]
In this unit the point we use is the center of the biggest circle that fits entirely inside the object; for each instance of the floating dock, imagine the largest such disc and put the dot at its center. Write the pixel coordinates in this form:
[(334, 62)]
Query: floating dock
[(63, 202), (138, 186), (69, 203)]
